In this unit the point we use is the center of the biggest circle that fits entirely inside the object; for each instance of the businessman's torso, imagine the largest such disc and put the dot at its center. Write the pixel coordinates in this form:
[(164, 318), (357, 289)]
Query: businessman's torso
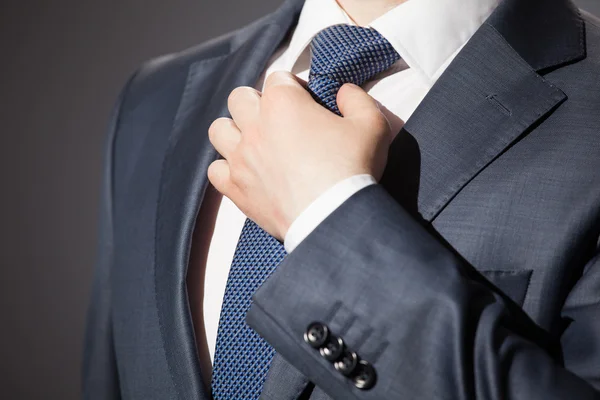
[(502, 162)]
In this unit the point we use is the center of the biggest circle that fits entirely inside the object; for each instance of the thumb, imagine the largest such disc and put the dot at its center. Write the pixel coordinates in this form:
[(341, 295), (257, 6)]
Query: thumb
[(354, 102)]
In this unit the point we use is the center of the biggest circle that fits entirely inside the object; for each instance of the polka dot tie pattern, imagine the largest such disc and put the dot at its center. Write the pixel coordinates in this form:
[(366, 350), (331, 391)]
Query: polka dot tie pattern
[(340, 54)]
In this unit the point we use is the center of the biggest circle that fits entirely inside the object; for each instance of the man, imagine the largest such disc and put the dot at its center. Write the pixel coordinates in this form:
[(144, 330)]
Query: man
[(454, 256)]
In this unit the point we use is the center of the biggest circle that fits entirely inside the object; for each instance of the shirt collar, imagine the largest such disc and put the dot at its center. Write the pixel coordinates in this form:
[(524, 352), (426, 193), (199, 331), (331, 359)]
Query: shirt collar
[(426, 33), (316, 15)]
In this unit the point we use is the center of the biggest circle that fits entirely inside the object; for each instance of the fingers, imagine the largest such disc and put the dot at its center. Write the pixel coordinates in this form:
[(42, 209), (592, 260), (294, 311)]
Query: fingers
[(244, 107), (224, 136), (281, 78), (284, 78), (286, 88)]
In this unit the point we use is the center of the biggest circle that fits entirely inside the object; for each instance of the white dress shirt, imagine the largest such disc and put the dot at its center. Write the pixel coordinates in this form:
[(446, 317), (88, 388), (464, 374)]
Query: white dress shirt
[(426, 33)]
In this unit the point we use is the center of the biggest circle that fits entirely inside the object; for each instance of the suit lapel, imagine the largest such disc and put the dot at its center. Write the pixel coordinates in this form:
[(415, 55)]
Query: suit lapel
[(488, 98), (183, 183)]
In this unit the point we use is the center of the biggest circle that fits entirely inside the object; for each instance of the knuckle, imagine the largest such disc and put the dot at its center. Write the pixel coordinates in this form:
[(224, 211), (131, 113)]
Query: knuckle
[(216, 126), (212, 132), (280, 81), (276, 77), (212, 172), (235, 93), (241, 92), (214, 175)]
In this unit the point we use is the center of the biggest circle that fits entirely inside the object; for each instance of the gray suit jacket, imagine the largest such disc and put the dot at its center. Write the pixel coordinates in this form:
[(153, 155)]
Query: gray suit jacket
[(471, 271)]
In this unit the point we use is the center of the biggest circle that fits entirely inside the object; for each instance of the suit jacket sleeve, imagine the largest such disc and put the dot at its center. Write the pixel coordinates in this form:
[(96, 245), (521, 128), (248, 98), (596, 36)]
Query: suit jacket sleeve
[(99, 372), (429, 324)]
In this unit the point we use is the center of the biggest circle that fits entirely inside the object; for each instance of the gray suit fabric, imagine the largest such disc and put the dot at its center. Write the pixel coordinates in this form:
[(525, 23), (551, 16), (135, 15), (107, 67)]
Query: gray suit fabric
[(471, 271)]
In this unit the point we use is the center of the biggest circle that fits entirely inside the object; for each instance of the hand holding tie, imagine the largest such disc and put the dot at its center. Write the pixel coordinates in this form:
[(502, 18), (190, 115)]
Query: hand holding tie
[(282, 149)]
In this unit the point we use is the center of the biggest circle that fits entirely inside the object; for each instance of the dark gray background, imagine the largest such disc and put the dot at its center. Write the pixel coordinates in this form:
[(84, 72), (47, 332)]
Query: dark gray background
[(62, 64)]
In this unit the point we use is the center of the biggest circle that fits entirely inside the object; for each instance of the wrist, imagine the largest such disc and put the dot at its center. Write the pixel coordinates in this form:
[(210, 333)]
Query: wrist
[(320, 208)]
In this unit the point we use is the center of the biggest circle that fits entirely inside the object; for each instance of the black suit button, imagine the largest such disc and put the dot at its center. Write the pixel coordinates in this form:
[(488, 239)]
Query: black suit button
[(364, 376), (316, 334), (347, 363), (333, 349)]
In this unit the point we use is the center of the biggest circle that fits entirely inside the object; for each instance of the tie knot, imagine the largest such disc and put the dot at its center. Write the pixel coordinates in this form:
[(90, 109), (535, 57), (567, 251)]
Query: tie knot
[(346, 54)]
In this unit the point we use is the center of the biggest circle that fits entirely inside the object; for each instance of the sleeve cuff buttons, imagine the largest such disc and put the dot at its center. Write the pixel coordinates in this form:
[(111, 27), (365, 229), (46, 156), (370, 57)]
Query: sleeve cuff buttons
[(333, 349), (345, 361), (364, 376), (316, 335)]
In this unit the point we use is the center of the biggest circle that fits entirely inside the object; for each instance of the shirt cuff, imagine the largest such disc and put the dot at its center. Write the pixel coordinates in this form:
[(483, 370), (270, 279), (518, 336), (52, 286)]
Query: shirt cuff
[(322, 207)]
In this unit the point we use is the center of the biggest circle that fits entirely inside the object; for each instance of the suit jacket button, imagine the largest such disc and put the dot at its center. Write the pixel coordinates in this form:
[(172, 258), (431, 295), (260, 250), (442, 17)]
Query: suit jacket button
[(333, 349), (316, 334), (347, 363), (364, 376)]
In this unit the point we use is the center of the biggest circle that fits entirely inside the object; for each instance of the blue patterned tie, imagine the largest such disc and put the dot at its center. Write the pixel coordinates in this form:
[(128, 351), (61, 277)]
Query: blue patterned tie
[(340, 54)]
